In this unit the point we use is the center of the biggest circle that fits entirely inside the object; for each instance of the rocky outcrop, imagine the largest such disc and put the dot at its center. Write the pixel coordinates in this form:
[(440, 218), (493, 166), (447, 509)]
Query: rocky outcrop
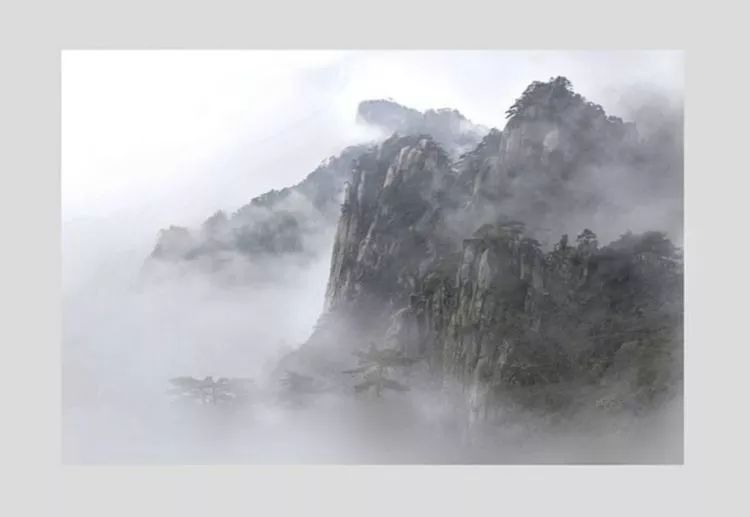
[(386, 216), (451, 261), (450, 244), (562, 164), (454, 132), (516, 317), (297, 222)]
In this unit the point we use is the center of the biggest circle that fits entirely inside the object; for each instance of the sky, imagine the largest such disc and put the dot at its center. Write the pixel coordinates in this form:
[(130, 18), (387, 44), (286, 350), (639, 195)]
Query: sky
[(172, 136)]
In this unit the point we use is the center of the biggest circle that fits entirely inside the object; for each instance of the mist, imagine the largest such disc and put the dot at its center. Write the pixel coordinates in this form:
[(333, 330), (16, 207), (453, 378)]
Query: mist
[(152, 139)]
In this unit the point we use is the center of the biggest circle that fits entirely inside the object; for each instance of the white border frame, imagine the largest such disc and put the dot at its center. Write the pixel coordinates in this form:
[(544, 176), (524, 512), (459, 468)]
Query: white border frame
[(716, 245)]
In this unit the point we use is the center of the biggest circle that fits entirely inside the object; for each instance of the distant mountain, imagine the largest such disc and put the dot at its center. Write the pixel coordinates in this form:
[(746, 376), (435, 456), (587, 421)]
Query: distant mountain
[(278, 221), (448, 127), (298, 222)]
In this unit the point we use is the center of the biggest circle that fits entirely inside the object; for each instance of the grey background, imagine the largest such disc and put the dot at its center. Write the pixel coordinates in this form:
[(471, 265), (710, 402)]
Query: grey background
[(33, 33)]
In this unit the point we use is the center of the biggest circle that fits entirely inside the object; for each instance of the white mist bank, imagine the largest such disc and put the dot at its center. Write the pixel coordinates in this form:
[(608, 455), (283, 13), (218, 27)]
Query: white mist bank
[(415, 428), (123, 339)]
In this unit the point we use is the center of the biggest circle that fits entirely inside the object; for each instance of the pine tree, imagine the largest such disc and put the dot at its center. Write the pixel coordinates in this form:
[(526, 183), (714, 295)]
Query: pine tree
[(375, 367), (210, 391)]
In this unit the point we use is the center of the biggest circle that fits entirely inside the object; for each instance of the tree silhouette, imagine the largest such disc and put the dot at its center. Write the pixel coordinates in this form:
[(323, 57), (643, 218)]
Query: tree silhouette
[(210, 391), (587, 241), (375, 367), (562, 245), (539, 93)]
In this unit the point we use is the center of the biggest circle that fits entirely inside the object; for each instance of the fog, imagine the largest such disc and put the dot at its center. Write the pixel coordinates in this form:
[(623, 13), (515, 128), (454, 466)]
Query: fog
[(151, 139)]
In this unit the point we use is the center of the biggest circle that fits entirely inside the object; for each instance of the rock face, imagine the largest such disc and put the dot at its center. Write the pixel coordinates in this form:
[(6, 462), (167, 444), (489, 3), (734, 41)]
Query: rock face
[(387, 210), (449, 261), (562, 164), (450, 243), (516, 317), (297, 223)]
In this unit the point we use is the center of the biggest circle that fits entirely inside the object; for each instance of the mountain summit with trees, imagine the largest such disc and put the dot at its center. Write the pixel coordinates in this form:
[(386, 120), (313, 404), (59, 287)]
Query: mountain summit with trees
[(465, 264), (533, 267)]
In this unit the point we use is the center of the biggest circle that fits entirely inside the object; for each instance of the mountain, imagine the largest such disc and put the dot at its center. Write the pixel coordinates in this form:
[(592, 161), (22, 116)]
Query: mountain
[(530, 267), (297, 223), (447, 126), (450, 260), (290, 223)]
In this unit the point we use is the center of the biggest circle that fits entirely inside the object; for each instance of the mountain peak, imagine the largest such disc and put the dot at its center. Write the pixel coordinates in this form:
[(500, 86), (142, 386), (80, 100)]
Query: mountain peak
[(556, 100), (447, 126)]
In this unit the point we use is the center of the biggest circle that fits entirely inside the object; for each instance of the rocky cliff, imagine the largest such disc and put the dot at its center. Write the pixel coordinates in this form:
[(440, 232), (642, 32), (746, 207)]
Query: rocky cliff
[(452, 261), (451, 244), (297, 223)]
